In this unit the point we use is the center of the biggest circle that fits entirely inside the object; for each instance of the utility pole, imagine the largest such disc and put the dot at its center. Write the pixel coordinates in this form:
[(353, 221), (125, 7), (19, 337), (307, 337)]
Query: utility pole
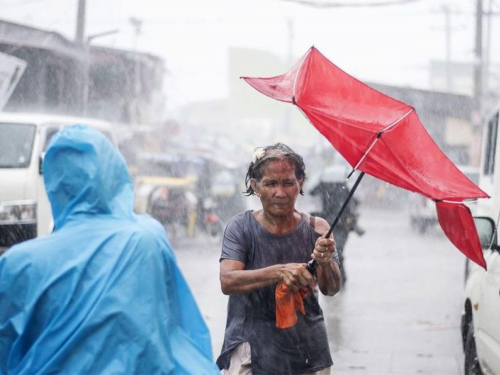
[(486, 59), (80, 22), (287, 118), (82, 81), (448, 72), (478, 66), (449, 81), (134, 112)]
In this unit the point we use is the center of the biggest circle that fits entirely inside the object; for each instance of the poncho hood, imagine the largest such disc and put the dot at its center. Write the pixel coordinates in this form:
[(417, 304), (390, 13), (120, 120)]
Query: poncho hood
[(85, 174)]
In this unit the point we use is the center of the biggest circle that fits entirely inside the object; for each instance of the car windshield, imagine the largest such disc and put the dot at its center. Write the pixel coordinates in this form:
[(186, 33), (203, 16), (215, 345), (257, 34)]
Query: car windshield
[(16, 143)]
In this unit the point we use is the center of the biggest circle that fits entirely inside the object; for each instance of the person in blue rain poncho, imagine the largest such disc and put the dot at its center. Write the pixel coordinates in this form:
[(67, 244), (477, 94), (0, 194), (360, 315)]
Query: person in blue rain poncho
[(102, 294)]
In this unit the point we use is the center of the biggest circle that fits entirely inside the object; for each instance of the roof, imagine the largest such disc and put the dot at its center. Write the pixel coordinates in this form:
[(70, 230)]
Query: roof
[(26, 36), (110, 52), (42, 119), (447, 104)]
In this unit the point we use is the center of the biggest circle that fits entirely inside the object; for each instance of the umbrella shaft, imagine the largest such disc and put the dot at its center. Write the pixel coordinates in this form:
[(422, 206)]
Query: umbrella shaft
[(351, 193), (312, 265)]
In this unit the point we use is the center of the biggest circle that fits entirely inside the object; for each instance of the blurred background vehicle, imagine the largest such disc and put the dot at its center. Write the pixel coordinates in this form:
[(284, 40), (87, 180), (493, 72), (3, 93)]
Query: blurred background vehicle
[(480, 326), (25, 210), (172, 203), (187, 193), (165, 189), (423, 215)]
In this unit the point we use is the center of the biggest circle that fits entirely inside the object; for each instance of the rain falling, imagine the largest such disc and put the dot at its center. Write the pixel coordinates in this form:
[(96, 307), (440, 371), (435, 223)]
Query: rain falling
[(210, 147)]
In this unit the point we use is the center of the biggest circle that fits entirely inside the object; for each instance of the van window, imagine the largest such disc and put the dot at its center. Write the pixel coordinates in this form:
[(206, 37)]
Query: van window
[(48, 137), (16, 145), (491, 145)]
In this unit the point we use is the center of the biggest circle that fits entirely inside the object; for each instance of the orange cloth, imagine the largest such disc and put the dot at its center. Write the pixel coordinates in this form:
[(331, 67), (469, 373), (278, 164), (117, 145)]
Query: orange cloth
[(287, 303)]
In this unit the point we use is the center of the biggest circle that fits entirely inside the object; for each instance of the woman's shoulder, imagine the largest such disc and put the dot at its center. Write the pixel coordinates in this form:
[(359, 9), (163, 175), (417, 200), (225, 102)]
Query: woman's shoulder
[(240, 219), (319, 224)]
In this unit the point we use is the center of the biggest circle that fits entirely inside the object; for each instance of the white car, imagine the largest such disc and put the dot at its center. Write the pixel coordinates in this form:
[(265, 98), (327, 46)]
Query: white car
[(481, 304), (25, 211), (481, 314)]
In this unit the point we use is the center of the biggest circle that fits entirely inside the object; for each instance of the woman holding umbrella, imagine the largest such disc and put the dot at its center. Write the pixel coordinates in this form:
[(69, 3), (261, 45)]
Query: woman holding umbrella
[(263, 268)]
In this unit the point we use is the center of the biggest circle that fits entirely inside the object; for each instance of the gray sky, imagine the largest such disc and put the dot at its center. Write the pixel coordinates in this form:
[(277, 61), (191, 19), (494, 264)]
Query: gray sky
[(382, 44)]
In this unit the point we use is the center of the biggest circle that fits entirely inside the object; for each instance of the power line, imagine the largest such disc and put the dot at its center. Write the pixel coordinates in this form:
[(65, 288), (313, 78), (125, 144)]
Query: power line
[(326, 4)]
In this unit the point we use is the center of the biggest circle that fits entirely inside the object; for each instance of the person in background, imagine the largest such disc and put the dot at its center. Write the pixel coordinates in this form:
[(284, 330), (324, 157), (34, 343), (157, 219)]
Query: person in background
[(103, 293), (333, 195), (265, 252)]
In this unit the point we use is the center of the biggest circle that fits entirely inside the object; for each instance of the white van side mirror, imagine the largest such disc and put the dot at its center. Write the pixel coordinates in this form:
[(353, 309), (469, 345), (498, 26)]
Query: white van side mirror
[(40, 163), (487, 233)]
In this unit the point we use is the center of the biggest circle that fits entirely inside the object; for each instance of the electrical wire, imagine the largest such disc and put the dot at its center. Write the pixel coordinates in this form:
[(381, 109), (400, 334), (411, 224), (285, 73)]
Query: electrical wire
[(350, 4)]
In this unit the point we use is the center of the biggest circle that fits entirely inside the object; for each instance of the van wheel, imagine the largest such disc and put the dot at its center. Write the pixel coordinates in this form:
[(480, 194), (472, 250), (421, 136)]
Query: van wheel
[(471, 366)]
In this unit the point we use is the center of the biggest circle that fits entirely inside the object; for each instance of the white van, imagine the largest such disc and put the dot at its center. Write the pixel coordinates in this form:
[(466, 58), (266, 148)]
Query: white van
[(24, 207), (481, 306)]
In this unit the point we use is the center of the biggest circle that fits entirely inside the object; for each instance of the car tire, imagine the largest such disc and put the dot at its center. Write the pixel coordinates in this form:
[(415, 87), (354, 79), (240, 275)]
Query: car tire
[(471, 365)]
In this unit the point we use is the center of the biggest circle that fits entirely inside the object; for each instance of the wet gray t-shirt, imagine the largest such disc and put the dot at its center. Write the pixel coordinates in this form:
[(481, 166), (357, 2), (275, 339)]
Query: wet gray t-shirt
[(300, 349)]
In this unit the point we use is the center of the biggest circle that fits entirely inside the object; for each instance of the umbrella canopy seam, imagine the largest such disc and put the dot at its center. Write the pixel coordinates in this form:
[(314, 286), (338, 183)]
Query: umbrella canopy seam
[(397, 121), (297, 75), (379, 134)]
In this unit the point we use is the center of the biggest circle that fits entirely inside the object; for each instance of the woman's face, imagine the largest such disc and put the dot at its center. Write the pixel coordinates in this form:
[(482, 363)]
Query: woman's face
[(279, 188)]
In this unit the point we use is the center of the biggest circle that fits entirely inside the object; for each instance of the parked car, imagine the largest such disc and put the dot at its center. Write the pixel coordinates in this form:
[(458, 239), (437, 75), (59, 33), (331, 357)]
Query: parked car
[(480, 318), (481, 304), (25, 210), (423, 215)]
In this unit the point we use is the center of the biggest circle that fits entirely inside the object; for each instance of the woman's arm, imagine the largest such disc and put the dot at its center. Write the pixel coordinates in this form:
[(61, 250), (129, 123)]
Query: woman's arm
[(234, 279), (328, 271)]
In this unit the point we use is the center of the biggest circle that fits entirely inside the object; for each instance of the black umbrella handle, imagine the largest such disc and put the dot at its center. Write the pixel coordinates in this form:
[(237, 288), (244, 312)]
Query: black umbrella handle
[(312, 264)]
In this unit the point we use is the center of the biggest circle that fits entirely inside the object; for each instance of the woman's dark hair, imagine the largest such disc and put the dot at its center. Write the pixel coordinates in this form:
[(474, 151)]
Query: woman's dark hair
[(264, 155)]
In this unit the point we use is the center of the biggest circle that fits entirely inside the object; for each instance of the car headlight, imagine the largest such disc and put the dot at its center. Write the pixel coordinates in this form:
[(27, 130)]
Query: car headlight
[(18, 212)]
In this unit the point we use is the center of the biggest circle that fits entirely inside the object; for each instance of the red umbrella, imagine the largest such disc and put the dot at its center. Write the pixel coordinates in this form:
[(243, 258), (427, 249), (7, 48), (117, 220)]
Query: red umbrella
[(380, 136)]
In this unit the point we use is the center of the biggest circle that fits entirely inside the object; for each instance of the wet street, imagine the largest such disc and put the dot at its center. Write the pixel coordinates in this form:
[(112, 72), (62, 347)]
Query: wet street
[(399, 312)]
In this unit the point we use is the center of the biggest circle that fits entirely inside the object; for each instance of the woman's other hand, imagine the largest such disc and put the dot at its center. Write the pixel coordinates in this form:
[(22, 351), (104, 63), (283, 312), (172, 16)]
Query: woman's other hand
[(295, 275)]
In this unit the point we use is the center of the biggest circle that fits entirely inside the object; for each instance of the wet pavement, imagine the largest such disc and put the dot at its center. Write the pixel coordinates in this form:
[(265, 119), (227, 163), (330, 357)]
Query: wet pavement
[(399, 312)]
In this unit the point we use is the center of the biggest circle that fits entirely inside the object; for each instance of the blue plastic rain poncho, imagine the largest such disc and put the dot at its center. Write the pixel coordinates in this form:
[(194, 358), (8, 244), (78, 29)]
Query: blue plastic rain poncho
[(103, 293)]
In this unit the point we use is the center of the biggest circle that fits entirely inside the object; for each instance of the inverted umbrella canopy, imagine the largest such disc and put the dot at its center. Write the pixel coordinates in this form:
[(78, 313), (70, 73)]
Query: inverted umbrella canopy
[(380, 136)]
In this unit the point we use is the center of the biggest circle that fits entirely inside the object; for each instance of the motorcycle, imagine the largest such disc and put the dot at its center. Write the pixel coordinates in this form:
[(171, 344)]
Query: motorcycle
[(172, 207), (207, 220)]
